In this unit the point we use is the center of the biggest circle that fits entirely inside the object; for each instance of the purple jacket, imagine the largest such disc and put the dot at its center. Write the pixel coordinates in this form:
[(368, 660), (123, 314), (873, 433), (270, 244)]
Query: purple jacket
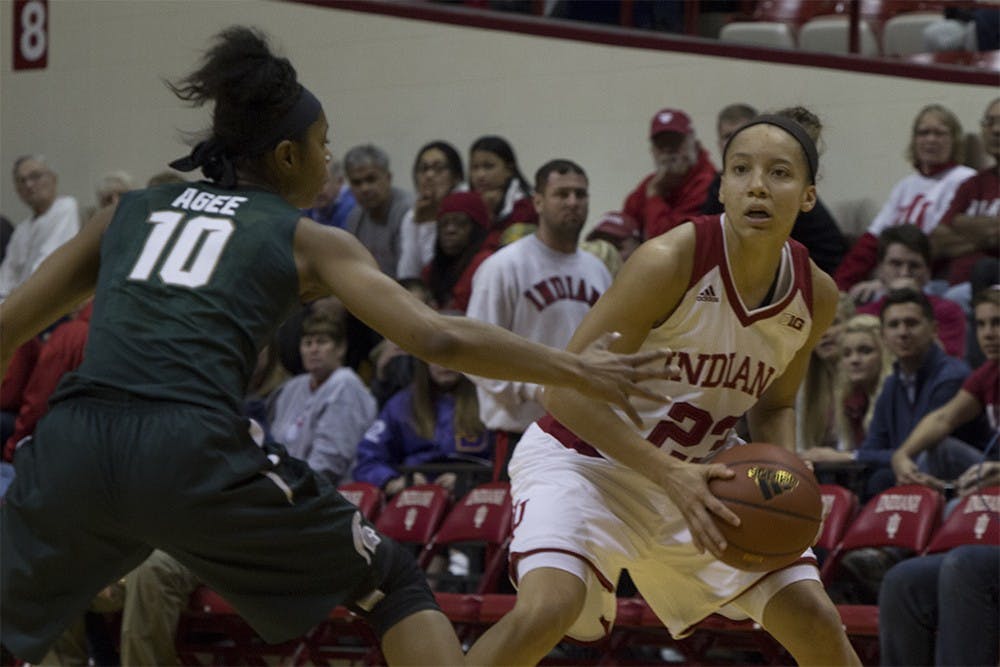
[(391, 441)]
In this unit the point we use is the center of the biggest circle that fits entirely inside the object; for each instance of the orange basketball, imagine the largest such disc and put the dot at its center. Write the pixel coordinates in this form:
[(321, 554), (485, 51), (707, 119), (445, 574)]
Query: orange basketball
[(778, 501)]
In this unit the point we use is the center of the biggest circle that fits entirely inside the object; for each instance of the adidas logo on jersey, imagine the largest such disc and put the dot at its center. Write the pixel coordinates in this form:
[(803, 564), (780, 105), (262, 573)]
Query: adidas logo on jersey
[(707, 294)]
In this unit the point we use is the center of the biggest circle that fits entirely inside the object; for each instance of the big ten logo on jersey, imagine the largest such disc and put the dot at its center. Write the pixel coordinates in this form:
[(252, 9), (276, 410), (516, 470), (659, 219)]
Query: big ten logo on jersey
[(793, 321)]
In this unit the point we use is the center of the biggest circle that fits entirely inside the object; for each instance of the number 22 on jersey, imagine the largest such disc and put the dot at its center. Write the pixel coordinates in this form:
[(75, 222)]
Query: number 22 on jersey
[(190, 256)]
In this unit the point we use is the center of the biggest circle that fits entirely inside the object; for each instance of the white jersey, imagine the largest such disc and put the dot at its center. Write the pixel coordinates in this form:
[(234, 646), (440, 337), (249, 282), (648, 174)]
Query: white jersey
[(592, 516), (540, 294), (728, 354), (920, 200)]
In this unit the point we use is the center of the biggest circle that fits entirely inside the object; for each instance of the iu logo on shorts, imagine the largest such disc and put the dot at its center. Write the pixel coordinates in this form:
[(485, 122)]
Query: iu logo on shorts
[(518, 514)]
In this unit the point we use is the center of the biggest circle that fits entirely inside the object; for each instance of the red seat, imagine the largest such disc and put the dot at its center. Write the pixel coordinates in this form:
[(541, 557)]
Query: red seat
[(840, 506), (903, 516), (414, 514), (367, 497), (481, 521), (975, 520), (412, 517), (482, 517)]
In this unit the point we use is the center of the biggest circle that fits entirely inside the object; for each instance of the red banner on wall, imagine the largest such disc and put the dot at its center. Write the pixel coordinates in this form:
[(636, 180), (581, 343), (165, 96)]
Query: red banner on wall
[(31, 34)]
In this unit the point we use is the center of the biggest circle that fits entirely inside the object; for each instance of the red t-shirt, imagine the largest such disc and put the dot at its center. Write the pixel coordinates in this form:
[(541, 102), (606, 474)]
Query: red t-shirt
[(17, 374), (984, 384), (979, 195), (60, 354)]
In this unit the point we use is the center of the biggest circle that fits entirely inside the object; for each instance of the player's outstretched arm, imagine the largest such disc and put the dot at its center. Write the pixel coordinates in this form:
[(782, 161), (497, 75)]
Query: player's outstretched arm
[(644, 293), (62, 281), (334, 262)]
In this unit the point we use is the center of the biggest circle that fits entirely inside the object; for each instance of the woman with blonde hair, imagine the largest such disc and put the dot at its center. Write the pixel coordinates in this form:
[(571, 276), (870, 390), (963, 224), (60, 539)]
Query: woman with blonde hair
[(864, 364), (815, 406)]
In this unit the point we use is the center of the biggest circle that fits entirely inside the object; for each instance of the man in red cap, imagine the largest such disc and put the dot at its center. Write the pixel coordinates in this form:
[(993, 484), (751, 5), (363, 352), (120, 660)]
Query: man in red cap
[(620, 230), (675, 191)]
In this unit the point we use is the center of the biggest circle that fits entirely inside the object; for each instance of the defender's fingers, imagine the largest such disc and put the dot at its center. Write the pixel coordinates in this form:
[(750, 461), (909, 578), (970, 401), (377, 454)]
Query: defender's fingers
[(647, 356), (639, 391), (605, 340), (630, 412)]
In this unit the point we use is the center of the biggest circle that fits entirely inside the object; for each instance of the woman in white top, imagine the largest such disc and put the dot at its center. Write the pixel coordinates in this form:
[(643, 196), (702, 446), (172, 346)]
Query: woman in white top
[(496, 176), (935, 151), (437, 171)]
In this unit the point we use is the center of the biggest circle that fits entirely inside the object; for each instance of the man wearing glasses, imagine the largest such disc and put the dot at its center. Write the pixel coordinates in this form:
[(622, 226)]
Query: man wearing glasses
[(53, 221)]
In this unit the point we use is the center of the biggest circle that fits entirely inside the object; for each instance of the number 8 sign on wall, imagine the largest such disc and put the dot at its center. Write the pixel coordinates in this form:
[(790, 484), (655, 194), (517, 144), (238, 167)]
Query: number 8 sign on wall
[(31, 34)]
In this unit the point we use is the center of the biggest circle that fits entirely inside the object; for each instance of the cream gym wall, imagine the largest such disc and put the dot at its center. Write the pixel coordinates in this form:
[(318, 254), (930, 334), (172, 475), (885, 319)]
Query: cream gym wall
[(101, 105)]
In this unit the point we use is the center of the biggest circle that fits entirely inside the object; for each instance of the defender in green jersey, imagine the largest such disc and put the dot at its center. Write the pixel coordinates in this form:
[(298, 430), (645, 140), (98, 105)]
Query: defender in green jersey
[(144, 446)]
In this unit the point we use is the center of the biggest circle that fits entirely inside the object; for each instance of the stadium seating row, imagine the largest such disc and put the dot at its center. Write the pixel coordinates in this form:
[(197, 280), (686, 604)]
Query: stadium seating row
[(885, 27), (907, 517)]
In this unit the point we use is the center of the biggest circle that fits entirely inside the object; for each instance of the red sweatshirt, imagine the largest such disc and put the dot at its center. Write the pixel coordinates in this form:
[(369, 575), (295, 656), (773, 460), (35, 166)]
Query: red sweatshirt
[(657, 215), (60, 354)]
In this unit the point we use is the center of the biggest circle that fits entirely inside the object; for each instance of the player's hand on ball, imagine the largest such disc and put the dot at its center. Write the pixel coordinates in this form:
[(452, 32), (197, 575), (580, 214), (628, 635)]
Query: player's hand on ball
[(615, 377), (687, 486)]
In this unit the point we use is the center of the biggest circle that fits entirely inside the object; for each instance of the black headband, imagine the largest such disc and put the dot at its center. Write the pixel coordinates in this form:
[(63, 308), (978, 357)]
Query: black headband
[(792, 128), (219, 165), (303, 113)]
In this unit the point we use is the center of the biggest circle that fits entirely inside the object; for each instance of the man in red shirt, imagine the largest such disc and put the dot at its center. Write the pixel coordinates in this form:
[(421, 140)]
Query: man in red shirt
[(674, 192)]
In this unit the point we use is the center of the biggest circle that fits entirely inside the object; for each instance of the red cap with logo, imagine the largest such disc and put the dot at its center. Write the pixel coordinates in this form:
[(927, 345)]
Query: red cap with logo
[(670, 120), (616, 225)]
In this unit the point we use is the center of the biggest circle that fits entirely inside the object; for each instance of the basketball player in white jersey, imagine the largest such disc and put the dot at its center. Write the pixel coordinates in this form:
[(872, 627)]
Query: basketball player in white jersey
[(741, 306)]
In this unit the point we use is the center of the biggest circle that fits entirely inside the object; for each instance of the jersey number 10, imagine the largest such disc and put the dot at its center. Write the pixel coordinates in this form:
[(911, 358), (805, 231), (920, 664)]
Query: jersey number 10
[(191, 257)]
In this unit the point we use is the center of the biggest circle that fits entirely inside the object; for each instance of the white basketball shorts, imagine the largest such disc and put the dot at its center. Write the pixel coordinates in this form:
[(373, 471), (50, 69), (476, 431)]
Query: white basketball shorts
[(592, 517)]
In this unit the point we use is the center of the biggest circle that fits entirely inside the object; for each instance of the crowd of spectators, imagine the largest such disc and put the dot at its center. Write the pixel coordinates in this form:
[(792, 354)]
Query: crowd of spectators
[(918, 314)]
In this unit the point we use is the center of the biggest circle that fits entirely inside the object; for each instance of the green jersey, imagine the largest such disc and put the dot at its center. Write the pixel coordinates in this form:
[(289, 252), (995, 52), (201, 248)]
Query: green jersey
[(193, 280)]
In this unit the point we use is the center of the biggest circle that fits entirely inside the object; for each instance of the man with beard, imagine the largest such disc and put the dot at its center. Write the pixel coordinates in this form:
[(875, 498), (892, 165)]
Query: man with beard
[(539, 287)]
